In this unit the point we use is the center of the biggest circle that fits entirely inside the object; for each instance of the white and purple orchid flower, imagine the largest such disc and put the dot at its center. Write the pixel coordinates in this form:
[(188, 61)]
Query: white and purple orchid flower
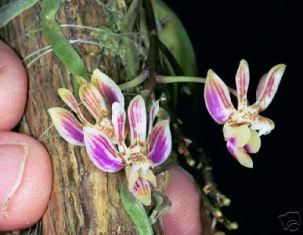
[(97, 96), (105, 139), (143, 152), (242, 126)]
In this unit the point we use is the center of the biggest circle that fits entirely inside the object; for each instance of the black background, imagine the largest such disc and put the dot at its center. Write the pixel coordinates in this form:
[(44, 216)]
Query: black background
[(264, 33)]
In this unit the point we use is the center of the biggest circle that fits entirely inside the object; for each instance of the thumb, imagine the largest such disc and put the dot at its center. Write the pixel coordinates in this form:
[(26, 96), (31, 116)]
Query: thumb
[(25, 181), (184, 216)]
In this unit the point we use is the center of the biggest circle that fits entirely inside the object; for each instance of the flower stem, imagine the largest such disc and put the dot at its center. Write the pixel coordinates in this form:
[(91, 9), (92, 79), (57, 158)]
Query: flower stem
[(178, 79), (182, 79), (153, 51), (134, 82)]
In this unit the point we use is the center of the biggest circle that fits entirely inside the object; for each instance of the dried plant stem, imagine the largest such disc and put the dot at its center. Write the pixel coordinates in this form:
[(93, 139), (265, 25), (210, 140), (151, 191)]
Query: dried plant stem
[(153, 51)]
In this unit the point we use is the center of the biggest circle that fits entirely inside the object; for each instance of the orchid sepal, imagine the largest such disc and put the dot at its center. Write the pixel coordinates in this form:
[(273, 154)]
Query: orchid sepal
[(217, 98), (67, 125)]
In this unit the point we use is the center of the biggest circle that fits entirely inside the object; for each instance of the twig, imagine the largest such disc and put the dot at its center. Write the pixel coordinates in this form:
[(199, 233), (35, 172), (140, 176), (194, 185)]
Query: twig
[(216, 213), (153, 51), (210, 187)]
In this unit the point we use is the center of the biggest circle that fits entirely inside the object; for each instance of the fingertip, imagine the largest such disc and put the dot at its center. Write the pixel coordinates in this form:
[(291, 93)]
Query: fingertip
[(13, 88), (28, 198), (184, 216)]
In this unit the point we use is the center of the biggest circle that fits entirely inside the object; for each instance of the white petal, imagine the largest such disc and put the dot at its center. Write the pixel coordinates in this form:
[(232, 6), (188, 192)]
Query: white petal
[(268, 88), (137, 120), (242, 82)]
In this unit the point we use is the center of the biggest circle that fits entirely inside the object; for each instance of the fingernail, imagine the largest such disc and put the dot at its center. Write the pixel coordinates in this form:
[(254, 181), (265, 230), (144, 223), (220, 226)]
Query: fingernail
[(12, 163)]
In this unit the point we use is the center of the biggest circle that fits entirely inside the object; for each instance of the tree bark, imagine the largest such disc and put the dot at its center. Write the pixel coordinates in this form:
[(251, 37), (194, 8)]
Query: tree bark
[(84, 200)]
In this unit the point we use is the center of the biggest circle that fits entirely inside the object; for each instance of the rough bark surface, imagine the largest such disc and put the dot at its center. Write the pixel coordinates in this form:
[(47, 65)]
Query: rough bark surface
[(84, 200)]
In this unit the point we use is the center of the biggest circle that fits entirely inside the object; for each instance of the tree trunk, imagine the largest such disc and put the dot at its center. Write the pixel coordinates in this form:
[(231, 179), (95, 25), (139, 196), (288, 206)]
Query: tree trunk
[(84, 200)]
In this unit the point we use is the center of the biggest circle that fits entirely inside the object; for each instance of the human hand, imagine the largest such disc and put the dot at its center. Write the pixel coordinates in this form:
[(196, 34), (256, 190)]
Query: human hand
[(25, 168)]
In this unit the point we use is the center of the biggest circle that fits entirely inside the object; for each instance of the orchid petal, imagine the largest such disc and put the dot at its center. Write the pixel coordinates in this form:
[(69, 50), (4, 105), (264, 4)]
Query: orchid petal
[(152, 115), (269, 88), (160, 143), (101, 151), (217, 98), (239, 153), (67, 125), (259, 123), (93, 101), (254, 143), (260, 86), (137, 120), (69, 99), (108, 88), (239, 134), (242, 82), (142, 191), (118, 120)]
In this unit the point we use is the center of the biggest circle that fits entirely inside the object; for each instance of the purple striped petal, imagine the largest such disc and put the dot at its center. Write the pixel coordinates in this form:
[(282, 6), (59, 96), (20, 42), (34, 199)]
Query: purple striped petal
[(242, 82), (93, 101), (108, 88), (69, 99), (239, 153), (67, 125), (152, 115), (101, 151), (268, 88), (137, 120), (118, 120), (217, 98), (160, 143)]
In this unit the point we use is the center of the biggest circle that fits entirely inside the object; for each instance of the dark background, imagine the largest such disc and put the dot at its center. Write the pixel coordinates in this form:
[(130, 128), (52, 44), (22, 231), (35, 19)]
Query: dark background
[(264, 33)]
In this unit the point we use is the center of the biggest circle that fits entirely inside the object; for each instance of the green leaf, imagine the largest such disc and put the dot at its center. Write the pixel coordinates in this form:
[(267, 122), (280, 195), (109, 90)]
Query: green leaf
[(11, 10), (61, 46), (175, 38), (136, 211)]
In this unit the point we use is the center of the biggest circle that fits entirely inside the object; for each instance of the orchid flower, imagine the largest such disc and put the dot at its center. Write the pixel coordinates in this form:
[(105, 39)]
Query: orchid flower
[(105, 138), (242, 126), (97, 96), (143, 152)]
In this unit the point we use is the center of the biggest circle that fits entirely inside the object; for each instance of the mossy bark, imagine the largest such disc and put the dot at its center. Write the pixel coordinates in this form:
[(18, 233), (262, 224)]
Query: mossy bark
[(84, 200)]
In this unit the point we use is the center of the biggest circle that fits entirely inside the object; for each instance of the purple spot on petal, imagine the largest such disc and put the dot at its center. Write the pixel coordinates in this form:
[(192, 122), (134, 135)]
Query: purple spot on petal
[(109, 94), (231, 146)]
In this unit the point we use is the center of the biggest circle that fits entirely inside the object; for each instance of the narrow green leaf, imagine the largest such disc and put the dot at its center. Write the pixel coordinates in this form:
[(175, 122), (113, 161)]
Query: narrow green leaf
[(61, 46), (11, 10), (136, 211)]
